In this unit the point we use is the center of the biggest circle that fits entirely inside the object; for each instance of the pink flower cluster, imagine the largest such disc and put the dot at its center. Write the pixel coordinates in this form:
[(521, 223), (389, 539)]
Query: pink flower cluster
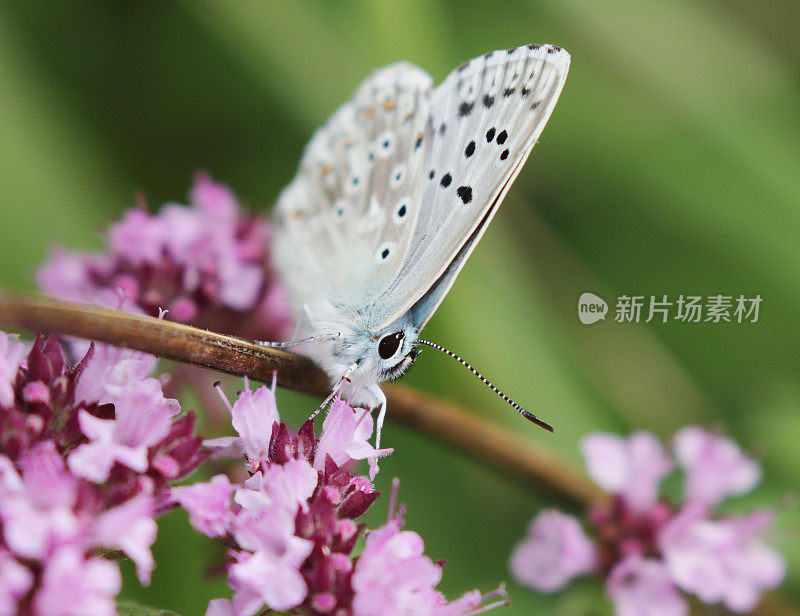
[(206, 264), (648, 549), (85, 457), (292, 524)]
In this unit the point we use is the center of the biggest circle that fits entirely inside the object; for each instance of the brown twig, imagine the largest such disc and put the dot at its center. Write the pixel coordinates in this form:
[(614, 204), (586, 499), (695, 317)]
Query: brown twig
[(239, 357), (166, 339)]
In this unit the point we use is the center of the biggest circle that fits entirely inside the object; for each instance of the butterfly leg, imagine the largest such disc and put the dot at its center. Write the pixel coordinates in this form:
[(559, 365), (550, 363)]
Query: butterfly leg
[(286, 345), (294, 341), (335, 391), (380, 399)]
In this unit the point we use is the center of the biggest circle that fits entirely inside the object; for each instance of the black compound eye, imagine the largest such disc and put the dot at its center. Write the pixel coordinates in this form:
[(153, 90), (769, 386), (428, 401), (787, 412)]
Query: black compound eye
[(389, 344)]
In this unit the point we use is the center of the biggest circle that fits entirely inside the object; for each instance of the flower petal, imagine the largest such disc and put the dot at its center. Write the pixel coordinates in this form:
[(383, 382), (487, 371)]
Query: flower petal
[(715, 466), (642, 587), (253, 416), (632, 467), (555, 551)]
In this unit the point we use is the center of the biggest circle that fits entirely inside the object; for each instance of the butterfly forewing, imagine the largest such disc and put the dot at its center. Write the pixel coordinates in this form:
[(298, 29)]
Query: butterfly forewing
[(485, 119), (394, 192), (348, 216)]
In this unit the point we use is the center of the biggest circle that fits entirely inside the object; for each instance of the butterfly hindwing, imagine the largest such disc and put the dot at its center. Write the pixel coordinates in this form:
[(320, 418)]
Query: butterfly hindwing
[(348, 216)]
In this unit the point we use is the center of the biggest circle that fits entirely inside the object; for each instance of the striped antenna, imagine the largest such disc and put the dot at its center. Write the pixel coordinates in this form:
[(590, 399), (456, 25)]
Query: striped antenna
[(526, 414)]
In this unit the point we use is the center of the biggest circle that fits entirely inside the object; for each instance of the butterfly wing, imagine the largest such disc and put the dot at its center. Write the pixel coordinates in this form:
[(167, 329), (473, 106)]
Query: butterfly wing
[(485, 119), (347, 219), (395, 191)]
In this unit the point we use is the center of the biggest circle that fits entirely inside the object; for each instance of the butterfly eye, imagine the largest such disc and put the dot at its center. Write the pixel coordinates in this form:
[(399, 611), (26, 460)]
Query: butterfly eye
[(389, 344)]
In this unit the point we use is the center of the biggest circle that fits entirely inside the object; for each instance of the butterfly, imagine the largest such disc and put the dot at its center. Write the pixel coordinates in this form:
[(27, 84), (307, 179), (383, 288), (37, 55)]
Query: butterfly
[(392, 195)]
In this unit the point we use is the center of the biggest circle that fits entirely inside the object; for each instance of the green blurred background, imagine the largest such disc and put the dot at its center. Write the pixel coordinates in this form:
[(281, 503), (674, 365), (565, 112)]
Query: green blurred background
[(670, 166)]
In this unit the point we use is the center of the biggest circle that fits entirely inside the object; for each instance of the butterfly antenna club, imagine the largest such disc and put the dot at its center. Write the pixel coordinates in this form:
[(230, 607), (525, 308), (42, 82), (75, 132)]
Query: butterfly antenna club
[(525, 413)]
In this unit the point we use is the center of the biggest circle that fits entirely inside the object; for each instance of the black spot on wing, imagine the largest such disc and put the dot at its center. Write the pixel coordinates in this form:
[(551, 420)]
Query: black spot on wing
[(465, 192), (431, 174), (442, 128), (490, 135), (501, 138), (509, 91), (445, 181), (525, 91), (488, 101), (470, 149), (465, 108), (504, 155)]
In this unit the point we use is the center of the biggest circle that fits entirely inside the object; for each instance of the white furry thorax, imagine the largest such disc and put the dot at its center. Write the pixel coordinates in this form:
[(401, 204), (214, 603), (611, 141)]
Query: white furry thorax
[(353, 347)]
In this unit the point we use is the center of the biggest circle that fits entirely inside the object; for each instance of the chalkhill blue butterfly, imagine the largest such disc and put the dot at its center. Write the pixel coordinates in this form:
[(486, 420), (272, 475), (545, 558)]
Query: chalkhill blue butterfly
[(391, 197)]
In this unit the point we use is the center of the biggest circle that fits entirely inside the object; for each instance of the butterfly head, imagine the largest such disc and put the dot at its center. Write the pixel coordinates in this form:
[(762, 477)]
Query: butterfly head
[(396, 352), (347, 342)]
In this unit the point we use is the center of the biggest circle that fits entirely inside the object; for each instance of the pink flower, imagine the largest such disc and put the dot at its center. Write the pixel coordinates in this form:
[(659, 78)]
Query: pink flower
[(290, 485), (219, 607), (285, 511), (649, 549), (112, 372), (269, 572), (642, 587), (555, 551), (143, 416), (66, 275), (73, 585), (11, 354), (270, 577), (292, 527), (131, 528), (393, 576), (93, 461), (36, 511), (51, 517), (208, 504), (632, 467), (207, 263), (253, 416), (721, 560), (345, 436), (15, 581), (715, 466), (214, 199)]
